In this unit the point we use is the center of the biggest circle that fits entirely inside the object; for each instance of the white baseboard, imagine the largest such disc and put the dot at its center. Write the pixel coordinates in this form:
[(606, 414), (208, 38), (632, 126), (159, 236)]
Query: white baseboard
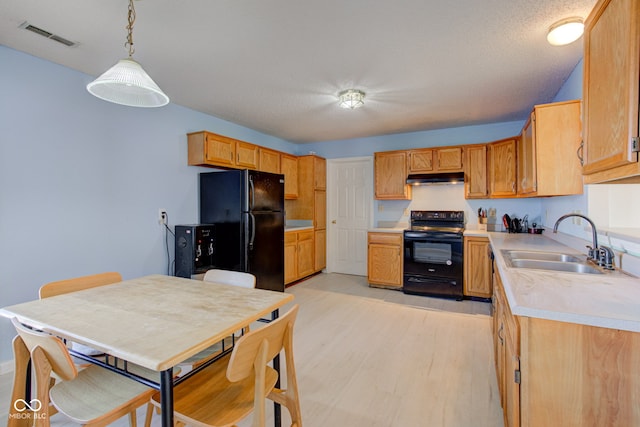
[(6, 367)]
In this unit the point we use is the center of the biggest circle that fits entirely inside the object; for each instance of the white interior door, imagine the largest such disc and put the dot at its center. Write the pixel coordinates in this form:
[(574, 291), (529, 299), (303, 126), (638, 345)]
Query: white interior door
[(349, 206)]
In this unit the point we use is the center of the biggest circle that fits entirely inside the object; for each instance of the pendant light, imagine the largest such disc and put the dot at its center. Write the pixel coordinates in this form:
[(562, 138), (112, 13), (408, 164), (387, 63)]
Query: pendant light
[(126, 83)]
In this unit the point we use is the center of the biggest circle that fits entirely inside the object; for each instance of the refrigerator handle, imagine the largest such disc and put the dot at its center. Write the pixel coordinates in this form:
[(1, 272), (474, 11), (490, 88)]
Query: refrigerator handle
[(253, 193), (253, 230)]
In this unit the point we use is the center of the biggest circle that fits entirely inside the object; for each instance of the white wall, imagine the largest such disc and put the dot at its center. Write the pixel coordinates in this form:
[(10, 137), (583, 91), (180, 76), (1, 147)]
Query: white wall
[(81, 180)]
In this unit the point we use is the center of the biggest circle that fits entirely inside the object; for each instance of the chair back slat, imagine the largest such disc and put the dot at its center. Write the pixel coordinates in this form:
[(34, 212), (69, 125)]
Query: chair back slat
[(53, 347), (79, 283), (275, 334), (228, 277)]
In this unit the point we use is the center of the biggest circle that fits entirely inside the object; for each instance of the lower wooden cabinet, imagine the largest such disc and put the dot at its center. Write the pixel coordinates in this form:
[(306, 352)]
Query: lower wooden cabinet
[(553, 373), (477, 267), (299, 255), (384, 267)]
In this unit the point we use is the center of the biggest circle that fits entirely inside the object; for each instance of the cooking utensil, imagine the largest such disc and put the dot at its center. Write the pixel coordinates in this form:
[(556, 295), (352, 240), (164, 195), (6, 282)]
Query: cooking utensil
[(515, 226), (506, 221)]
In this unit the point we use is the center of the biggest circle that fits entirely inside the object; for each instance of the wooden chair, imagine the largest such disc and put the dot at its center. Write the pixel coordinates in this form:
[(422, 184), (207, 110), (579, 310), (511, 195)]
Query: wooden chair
[(78, 284), (228, 390), (225, 277), (92, 397), (228, 277)]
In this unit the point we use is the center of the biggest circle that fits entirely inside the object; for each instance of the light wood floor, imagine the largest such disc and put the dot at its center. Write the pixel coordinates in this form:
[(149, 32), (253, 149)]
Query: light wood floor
[(370, 357)]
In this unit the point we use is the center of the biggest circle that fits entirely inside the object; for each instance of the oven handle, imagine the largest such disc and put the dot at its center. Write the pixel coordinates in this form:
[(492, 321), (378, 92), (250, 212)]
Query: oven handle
[(432, 237)]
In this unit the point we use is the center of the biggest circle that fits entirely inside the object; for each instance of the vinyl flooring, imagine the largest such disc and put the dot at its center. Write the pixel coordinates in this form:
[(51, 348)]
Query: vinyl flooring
[(368, 357)]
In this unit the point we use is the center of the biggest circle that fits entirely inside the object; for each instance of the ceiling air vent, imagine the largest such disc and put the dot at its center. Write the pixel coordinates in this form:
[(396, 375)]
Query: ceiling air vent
[(44, 33)]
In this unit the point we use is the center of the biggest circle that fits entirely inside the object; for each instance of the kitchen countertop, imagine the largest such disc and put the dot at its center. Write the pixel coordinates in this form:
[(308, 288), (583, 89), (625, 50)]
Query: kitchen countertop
[(298, 228), (386, 230), (609, 300)]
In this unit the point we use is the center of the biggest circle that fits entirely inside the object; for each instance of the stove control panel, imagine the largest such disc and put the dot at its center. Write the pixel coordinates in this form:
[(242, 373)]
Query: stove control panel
[(438, 215)]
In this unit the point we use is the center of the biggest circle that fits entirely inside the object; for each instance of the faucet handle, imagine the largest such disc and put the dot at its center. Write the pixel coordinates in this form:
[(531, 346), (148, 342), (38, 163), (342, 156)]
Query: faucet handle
[(591, 253), (606, 257)]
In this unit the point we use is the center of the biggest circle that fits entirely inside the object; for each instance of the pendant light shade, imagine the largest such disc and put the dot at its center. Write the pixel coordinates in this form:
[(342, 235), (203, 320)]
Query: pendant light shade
[(127, 83)]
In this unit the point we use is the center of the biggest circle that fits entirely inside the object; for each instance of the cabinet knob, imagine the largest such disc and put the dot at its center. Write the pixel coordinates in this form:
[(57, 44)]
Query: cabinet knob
[(333, 222)]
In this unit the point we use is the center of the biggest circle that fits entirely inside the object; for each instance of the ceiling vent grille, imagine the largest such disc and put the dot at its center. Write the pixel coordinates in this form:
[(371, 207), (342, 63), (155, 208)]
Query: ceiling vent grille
[(44, 33)]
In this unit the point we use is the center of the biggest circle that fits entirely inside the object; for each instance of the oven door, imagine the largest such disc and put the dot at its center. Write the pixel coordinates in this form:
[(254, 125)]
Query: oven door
[(433, 254), (433, 264)]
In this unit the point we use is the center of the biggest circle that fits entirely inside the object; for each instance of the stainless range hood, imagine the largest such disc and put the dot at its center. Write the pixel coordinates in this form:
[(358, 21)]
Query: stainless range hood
[(436, 178)]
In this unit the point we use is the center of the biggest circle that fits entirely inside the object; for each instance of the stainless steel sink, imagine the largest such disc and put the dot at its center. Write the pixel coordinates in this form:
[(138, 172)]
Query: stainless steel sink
[(542, 256), (572, 267), (554, 261)]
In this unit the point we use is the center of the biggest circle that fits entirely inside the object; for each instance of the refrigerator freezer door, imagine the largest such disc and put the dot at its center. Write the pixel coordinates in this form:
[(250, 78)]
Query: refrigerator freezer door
[(265, 256), (265, 191)]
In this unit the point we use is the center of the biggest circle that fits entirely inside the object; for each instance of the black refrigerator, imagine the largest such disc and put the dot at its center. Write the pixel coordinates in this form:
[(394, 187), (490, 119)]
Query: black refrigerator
[(247, 209)]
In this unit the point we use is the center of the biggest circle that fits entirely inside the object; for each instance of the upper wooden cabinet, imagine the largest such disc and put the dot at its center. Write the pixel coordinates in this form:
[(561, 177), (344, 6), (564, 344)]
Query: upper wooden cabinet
[(501, 166), (390, 169), (289, 168), (319, 173), (432, 160), (611, 91), (210, 149), (475, 172), (547, 155), (269, 161)]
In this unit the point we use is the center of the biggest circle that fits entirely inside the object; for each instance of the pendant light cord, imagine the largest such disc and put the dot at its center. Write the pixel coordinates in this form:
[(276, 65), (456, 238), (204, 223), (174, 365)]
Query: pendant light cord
[(131, 19)]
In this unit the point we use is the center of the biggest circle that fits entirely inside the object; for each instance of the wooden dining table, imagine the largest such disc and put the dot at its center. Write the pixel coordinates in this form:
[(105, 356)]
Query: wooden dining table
[(155, 321)]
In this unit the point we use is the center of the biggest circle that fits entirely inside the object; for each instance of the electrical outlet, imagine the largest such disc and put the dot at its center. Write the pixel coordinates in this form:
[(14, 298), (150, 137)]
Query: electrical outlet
[(162, 216)]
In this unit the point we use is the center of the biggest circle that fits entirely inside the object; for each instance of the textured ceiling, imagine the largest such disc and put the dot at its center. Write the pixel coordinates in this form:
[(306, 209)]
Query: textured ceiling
[(276, 66)]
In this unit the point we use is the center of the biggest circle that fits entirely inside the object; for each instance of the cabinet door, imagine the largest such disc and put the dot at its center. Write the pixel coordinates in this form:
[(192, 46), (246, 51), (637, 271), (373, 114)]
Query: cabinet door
[(246, 155), (502, 168), (475, 165), (449, 159), (290, 257), (611, 80), (384, 265), (289, 168), (511, 401), (421, 161), (306, 259), (319, 173), (320, 209), (526, 158), (269, 161), (220, 150), (477, 267), (391, 175), (321, 249)]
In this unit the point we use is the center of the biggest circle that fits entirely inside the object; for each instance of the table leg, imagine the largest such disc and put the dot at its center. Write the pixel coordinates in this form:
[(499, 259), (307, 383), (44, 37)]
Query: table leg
[(166, 397), (277, 414)]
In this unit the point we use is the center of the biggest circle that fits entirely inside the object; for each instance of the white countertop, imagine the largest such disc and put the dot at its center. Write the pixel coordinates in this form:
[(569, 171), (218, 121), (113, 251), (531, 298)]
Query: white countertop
[(610, 300)]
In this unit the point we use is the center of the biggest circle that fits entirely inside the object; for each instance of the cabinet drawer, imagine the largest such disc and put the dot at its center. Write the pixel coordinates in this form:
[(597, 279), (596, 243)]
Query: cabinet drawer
[(386, 238), (290, 237), (305, 235)]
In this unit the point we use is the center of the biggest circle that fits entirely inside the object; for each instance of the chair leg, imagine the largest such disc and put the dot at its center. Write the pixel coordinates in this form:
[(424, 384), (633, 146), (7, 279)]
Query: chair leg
[(149, 415), (133, 420), (21, 358), (43, 375)]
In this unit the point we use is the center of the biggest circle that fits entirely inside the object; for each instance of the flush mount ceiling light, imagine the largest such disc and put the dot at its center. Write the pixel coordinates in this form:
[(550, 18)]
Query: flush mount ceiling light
[(351, 98), (565, 31), (126, 83)]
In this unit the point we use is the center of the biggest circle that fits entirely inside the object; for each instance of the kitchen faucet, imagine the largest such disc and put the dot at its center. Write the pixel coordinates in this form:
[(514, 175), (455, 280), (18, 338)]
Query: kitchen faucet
[(601, 255)]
